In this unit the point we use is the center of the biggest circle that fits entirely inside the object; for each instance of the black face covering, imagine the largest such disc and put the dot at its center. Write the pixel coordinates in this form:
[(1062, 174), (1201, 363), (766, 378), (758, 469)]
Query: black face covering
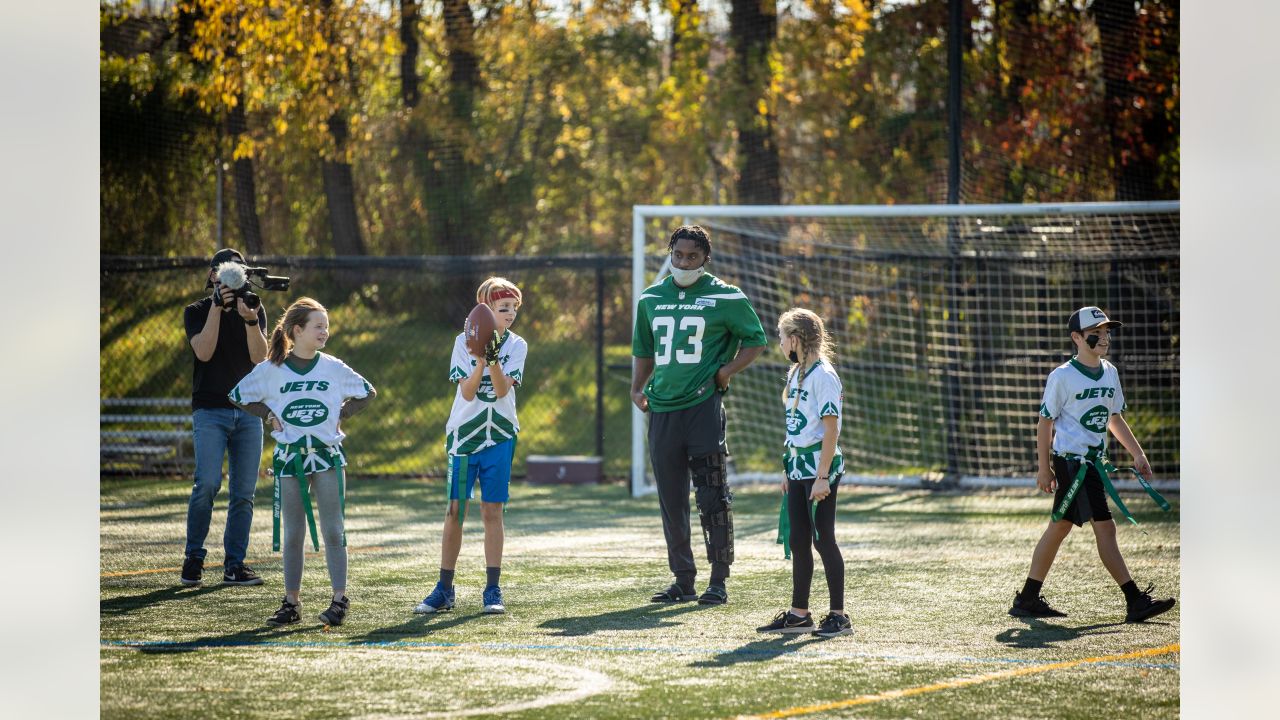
[(793, 356)]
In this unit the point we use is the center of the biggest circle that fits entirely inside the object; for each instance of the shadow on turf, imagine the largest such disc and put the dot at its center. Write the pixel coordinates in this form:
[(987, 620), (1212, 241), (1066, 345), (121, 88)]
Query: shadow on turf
[(757, 651), (644, 617), (1041, 634), (129, 603), (418, 625), (254, 636)]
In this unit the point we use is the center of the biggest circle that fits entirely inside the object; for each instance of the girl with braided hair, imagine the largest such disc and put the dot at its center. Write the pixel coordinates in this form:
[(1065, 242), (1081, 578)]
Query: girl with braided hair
[(303, 394), (813, 464)]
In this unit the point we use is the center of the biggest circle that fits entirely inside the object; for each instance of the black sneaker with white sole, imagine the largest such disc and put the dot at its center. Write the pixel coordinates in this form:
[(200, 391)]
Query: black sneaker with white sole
[(1033, 607), (834, 625), (1142, 606), (789, 623), (336, 613), (192, 571), (240, 575), (288, 614)]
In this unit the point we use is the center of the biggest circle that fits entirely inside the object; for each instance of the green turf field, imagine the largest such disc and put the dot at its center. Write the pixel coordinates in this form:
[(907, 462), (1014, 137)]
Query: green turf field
[(929, 581)]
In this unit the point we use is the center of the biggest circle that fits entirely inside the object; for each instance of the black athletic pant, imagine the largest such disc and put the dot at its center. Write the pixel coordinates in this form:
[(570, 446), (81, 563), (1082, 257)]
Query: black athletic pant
[(674, 438), (803, 542)]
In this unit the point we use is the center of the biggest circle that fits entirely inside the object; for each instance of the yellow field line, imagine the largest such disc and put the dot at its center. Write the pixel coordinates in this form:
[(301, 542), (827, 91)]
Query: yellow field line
[(126, 573), (961, 682)]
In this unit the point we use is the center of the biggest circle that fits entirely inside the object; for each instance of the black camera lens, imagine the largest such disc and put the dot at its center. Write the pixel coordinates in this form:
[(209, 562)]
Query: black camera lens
[(251, 301)]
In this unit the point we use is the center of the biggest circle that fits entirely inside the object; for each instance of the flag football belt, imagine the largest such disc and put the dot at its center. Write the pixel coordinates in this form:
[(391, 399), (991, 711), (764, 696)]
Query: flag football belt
[(460, 478), (784, 526), (1103, 465), (296, 468)]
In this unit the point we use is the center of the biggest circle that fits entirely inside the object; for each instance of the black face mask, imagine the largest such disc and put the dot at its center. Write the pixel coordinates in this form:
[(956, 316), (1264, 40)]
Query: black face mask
[(793, 356)]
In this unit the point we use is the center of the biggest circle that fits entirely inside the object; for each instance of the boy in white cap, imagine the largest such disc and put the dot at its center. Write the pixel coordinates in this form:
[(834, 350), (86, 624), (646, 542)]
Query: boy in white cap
[(1082, 400)]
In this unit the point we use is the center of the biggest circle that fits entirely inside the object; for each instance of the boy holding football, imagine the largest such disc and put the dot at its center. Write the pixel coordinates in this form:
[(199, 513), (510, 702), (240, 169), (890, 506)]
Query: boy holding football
[(480, 439)]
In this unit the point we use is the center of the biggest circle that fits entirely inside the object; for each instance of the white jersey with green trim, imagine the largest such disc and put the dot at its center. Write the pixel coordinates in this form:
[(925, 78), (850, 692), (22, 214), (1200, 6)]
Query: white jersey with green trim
[(1081, 400), (486, 419), (308, 401), (819, 396)]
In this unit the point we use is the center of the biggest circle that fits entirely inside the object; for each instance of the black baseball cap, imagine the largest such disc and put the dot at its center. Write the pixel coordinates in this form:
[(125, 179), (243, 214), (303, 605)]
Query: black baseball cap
[(226, 255), (1088, 318)]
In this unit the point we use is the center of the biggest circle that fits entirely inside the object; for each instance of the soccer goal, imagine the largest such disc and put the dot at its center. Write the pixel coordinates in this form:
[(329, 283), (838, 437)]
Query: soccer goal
[(947, 319)]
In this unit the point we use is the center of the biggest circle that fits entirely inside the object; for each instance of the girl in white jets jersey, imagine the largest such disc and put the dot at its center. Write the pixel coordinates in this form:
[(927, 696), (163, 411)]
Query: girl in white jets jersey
[(813, 465), (1082, 400), (303, 394)]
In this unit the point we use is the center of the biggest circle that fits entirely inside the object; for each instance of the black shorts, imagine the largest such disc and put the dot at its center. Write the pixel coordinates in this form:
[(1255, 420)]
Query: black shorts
[(1090, 502)]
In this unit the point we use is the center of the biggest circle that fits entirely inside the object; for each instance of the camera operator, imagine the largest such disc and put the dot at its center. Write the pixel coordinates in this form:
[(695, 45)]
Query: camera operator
[(228, 339)]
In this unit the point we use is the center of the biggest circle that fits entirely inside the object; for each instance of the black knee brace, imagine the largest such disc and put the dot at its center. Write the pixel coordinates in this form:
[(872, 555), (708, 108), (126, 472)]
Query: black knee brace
[(715, 505)]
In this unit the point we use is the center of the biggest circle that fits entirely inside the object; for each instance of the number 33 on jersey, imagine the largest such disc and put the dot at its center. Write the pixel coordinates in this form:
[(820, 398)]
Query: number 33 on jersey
[(690, 333)]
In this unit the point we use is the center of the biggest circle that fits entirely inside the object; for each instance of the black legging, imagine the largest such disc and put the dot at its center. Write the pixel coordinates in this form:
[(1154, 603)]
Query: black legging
[(802, 543)]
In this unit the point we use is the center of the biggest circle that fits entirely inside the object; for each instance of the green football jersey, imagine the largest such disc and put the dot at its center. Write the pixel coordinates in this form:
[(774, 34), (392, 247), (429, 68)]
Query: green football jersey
[(690, 333)]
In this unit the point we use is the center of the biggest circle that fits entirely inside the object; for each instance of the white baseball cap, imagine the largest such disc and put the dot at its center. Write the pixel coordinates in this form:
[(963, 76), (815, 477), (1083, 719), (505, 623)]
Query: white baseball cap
[(1088, 318)]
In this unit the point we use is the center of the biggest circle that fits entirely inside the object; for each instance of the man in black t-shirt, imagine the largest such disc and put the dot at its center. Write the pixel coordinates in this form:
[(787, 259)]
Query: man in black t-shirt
[(227, 341)]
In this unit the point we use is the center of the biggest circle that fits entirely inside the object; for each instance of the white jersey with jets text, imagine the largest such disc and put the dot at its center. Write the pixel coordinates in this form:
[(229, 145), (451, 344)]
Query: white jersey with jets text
[(486, 419), (1081, 400), (821, 395), (307, 402)]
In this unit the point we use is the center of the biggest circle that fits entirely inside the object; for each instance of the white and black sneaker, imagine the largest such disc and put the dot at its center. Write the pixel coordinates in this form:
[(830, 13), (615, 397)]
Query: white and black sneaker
[(834, 625), (786, 622), (336, 613), (240, 575), (288, 614)]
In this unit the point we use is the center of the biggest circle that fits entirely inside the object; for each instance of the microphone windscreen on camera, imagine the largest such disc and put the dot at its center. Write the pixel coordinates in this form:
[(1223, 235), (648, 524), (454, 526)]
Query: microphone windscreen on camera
[(232, 275)]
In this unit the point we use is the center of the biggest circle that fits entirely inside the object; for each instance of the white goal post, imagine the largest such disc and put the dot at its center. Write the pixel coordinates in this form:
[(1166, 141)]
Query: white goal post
[(946, 318)]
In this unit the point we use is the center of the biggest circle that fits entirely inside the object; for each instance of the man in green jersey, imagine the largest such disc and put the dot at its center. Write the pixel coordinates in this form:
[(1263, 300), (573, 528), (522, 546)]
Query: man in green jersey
[(693, 333)]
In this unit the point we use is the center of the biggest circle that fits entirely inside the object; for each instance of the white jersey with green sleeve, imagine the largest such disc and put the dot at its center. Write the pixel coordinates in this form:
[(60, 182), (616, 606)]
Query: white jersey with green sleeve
[(1081, 400), (308, 403), (820, 395), (486, 419), (690, 333)]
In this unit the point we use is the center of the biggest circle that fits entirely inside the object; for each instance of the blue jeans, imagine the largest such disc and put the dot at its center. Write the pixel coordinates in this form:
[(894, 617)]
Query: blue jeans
[(238, 435)]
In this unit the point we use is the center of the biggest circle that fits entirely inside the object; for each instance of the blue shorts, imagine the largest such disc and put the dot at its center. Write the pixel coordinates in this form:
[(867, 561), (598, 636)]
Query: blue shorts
[(491, 466)]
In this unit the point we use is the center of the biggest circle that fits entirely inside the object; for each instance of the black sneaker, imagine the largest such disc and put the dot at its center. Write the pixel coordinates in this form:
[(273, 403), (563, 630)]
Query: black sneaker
[(336, 613), (288, 614), (1143, 607), (834, 625), (714, 595), (1033, 607), (240, 575), (786, 622), (192, 571), (675, 593)]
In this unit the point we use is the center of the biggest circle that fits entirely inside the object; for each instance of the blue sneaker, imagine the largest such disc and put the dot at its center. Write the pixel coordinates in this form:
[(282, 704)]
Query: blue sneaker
[(493, 600), (440, 600)]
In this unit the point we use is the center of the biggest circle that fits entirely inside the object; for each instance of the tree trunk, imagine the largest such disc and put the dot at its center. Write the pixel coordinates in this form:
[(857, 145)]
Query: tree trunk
[(753, 27), (1014, 22), (245, 192), (409, 18), (340, 194)]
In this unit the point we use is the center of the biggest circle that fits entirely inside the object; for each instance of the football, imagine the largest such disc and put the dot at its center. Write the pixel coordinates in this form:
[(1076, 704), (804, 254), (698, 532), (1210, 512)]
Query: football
[(478, 329)]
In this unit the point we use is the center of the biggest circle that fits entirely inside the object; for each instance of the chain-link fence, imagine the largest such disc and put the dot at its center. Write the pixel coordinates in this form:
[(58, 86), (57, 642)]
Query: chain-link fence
[(394, 320)]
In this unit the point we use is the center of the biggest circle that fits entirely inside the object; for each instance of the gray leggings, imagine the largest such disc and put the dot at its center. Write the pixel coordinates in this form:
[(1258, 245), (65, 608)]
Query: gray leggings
[(324, 497)]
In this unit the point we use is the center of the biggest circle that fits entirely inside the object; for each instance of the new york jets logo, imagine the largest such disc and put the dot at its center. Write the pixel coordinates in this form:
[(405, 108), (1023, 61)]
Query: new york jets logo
[(795, 421), (305, 413), (1096, 418)]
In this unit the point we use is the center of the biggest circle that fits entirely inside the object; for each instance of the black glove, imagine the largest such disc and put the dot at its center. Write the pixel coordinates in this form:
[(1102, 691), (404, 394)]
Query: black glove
[(491, 350)]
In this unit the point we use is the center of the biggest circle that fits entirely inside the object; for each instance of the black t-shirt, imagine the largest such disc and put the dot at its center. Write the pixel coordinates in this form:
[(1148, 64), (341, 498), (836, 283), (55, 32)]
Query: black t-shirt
[(230, 362)]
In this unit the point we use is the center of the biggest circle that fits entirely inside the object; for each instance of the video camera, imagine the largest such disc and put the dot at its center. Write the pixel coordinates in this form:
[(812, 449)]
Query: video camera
[(240, 278)]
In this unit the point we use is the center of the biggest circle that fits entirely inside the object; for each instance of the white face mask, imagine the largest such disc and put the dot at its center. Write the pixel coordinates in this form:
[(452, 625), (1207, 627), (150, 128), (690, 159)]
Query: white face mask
[(685, 278)]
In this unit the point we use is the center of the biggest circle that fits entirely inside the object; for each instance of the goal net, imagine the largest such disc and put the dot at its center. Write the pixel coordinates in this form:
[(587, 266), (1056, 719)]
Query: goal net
[(946, 320)]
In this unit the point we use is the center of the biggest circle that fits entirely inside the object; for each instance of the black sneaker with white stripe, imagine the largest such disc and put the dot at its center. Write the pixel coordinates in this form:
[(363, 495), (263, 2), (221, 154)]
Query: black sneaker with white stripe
[(786, 622), (240, 575), (288, 614), (834, 625)]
